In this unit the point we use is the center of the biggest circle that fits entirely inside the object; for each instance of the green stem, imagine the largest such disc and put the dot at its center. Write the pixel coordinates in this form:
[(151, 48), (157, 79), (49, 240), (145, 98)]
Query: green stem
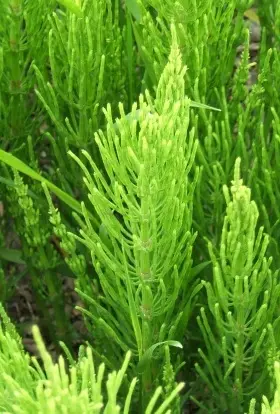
[(145, 274), (239, 356), (15, 68)]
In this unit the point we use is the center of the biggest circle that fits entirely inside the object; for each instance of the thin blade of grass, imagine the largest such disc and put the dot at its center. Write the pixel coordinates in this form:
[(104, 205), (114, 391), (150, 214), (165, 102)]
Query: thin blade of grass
[(20, 166)]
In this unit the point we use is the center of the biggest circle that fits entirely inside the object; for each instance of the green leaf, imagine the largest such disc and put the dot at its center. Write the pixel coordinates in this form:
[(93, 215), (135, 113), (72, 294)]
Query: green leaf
[(72, 6), (133, 7), (147, 356), (197, 269), (11, 255), (203, 106), (20, 166)]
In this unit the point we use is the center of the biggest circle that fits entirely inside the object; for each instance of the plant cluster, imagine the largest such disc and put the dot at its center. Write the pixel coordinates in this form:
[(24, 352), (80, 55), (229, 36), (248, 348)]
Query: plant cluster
[(139, 164)]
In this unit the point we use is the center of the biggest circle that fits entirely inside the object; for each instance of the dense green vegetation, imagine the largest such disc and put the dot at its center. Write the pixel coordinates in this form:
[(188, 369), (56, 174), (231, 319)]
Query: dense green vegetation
[(140, 143)]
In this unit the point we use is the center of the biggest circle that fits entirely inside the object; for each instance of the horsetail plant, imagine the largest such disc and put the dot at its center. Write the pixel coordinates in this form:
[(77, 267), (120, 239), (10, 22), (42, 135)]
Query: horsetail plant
[(41, 257), (142, 251), (26, 388), (242, 301), (22, 39), (145, 191), (206, 30), (88, 69), (268, 407), (89, 65)]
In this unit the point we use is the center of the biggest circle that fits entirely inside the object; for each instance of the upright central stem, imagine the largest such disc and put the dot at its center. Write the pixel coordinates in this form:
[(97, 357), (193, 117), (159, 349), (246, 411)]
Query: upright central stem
[(239, 348), (145, 274)]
